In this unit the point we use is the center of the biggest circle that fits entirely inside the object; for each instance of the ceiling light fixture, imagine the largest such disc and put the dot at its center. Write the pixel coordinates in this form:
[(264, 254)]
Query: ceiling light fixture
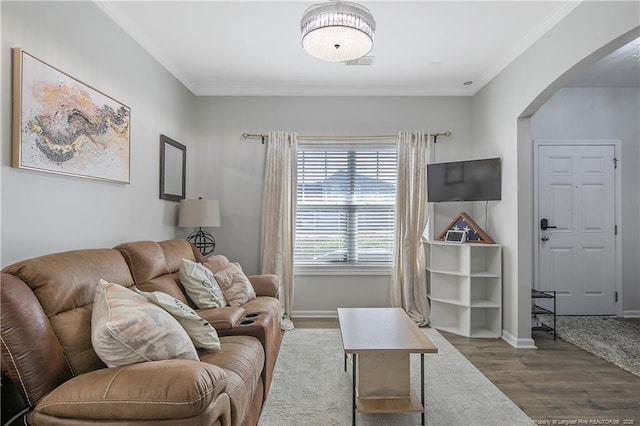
[(337, 31)]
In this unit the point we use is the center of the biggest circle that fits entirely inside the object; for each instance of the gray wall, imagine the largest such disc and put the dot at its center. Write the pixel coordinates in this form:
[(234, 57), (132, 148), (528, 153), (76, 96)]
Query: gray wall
[(44, 212), (231, 170), (604, 114), (500, 125)]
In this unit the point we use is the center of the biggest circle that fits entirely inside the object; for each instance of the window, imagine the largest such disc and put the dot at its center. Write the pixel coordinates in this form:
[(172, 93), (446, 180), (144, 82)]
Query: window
[(345, 205)]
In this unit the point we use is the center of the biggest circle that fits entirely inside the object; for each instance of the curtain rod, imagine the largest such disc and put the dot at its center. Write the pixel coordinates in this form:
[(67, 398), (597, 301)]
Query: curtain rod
[(263, 136)]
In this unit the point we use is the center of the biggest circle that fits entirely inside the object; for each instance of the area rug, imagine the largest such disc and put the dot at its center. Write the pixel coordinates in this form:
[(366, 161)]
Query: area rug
[(616, 340), (311, 388)]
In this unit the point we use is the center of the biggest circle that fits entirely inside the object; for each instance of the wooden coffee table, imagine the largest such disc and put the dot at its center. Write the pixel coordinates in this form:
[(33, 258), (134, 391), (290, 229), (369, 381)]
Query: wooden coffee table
[(380, 341)]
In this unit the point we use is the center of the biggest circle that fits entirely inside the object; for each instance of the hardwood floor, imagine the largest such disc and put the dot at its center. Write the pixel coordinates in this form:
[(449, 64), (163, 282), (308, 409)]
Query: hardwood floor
[(558, 381)]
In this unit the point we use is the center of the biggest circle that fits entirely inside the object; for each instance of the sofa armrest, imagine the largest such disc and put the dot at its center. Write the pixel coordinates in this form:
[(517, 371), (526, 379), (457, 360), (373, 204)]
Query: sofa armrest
[(222, 318), (265, 285), (172, 389)]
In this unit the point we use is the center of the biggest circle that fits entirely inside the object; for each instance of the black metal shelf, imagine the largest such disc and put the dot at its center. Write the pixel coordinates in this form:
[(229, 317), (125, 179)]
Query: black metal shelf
[(537, 309), (544, 328), (540, 310), (538, 294)]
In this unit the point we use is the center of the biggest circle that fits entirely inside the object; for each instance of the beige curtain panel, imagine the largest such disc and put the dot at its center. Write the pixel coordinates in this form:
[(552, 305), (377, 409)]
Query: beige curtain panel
[(279, 215), (408, 278)]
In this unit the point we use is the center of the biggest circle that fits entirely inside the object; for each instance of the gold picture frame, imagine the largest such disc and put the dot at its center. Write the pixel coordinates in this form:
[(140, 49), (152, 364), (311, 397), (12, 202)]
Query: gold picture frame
[(63, 126)]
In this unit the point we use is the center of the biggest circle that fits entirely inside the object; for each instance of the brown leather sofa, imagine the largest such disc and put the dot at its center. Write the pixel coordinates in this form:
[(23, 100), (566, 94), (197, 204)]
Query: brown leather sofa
[(48, 362)]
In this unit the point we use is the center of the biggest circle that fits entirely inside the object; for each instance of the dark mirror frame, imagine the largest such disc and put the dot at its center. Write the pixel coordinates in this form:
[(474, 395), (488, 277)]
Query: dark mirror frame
[(164, 175)]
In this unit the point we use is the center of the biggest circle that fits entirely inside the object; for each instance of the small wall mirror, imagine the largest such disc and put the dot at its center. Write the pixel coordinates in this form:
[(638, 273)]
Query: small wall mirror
[(173, 165)]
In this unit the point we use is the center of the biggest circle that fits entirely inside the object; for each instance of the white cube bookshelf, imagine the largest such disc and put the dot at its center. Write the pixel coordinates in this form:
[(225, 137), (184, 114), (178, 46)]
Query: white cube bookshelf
[(464, 286)]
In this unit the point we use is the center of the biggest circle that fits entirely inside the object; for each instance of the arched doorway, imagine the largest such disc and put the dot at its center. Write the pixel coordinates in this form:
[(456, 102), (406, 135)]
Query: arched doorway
[(562, 93)]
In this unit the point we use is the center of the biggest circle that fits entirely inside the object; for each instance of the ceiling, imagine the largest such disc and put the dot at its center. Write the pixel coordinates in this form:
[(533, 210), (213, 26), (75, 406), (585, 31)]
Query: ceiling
[(253, 48)]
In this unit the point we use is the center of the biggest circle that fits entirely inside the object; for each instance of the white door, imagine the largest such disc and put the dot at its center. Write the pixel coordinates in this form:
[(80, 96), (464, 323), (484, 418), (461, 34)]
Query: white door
[(576, 253)]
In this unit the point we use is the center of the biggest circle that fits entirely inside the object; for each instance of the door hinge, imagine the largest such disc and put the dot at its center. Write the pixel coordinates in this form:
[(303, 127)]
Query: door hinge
[(615, 229), (616, 296), (615, 162)]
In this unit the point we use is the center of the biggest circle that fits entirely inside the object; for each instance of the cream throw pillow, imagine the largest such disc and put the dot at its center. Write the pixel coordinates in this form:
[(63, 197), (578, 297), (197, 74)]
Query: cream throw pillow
[(202, 334), (235, 285), (127, 329), (200, 285)]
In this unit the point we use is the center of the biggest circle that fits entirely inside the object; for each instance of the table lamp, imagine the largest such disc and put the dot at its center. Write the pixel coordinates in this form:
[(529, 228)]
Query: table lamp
[(200, 213)]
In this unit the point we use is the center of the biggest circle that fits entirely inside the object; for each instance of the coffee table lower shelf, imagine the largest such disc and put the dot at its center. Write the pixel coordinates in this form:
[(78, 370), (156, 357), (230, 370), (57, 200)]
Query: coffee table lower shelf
[(389, 405), (385, 404)]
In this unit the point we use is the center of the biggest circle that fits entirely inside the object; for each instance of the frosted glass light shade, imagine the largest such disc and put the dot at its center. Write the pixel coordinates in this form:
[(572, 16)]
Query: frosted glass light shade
[(337, 31), (199, 213)]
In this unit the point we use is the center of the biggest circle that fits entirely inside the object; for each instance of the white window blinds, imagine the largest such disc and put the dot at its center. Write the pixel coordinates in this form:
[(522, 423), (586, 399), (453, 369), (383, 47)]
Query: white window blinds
[(345, 205)]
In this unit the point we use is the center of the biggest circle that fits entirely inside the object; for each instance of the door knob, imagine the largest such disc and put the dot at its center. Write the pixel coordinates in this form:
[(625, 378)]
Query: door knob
[(544, 238), (544, 224)]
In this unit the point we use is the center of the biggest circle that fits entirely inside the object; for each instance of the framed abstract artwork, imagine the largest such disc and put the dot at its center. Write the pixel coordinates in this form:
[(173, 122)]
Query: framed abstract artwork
[(63, 126)]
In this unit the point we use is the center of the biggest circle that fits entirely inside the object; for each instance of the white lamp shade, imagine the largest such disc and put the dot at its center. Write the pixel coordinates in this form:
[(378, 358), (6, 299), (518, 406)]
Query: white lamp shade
[(199, 213)]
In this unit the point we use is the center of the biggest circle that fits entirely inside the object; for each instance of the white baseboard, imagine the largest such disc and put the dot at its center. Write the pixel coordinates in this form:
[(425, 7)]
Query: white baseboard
[(518, 343), (333, 314), (631, 314)]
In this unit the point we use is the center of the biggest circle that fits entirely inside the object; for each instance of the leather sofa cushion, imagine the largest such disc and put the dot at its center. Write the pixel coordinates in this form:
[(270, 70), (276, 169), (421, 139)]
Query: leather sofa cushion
[(145, 258), (151, 259), (25, 331), (176, 250), (65, 285), (242, 358), (171, 389), (155, 265)]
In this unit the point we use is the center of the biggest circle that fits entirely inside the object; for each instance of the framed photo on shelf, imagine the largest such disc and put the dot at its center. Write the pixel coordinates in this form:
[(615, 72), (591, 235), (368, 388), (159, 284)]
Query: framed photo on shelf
[(455, 236)]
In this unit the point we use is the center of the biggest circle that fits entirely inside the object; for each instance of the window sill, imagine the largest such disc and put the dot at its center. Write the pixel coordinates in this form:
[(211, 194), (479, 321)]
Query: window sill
[(343, 270)]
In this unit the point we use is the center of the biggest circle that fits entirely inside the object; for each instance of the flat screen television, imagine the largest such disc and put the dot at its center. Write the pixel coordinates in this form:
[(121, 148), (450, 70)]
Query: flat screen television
[(473, 180)]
